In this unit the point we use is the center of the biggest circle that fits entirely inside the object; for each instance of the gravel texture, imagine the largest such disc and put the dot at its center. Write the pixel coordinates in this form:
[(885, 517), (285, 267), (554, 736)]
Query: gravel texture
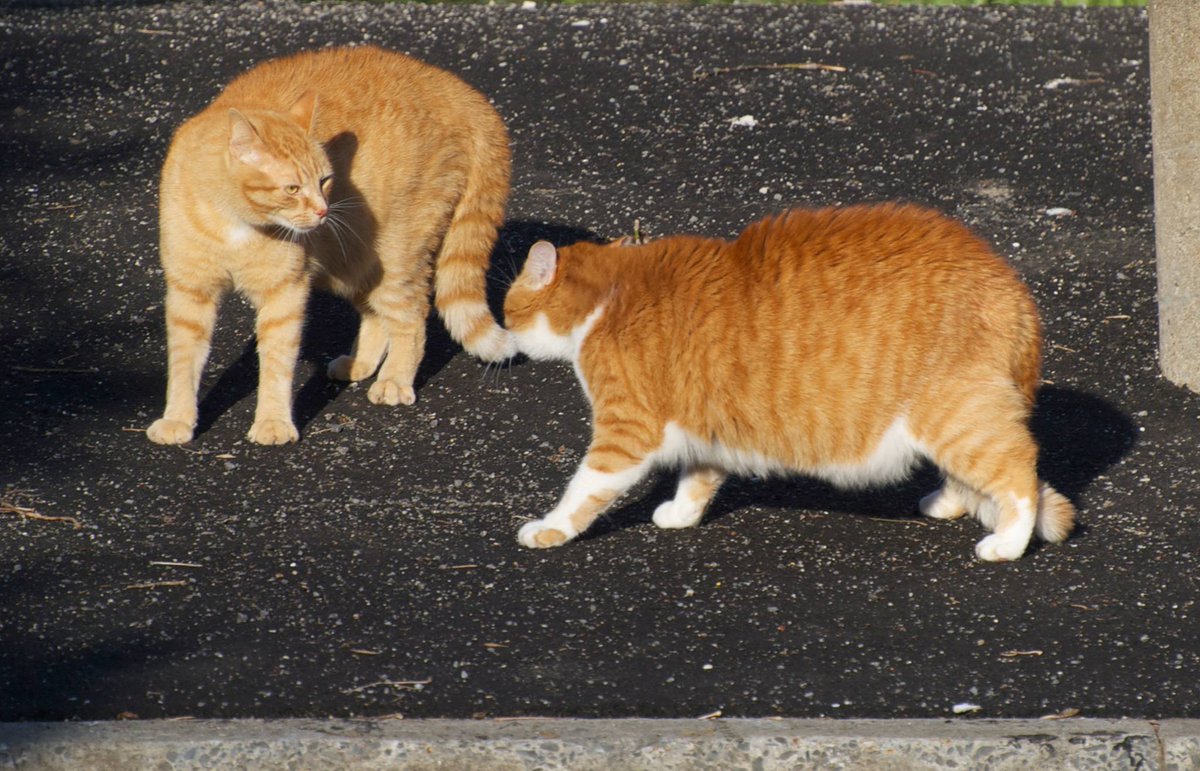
[(372, 569)]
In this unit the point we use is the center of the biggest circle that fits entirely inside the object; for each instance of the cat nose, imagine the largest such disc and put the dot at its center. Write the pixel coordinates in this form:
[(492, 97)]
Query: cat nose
[(321, 211)]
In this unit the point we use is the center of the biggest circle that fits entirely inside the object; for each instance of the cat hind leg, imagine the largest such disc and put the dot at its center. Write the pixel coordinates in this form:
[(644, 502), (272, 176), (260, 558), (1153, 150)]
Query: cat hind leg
[(1055, 513), (403, 320), (369, 348), (997, 483)]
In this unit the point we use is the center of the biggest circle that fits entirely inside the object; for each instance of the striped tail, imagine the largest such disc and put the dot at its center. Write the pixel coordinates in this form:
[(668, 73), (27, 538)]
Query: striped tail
[(461, 274)]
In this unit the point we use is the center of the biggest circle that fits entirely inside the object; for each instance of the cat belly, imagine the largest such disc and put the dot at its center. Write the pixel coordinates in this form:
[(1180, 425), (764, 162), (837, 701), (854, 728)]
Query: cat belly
[(891, 460)]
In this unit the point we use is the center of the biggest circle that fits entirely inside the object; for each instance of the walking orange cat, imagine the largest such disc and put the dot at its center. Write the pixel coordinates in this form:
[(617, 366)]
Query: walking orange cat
[(846, 343), (358, 170)]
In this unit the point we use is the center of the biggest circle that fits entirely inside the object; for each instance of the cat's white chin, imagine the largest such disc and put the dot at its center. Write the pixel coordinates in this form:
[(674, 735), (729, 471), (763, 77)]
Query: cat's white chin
[(541, 341)]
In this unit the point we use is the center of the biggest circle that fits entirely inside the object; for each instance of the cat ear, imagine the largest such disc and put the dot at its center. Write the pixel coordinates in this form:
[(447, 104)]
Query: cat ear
[(304, 110), (244, 142), (541, 264)]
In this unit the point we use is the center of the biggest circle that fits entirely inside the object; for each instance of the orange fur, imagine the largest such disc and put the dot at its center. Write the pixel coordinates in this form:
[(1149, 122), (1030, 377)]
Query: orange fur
[(845, 342), (357, 170)]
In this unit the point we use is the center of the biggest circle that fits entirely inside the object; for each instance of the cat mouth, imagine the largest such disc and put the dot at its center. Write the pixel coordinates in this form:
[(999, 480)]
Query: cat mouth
[(301, 229)]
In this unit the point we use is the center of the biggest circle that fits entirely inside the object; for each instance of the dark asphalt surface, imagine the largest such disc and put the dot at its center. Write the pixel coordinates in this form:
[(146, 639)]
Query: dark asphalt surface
[(381, 549)]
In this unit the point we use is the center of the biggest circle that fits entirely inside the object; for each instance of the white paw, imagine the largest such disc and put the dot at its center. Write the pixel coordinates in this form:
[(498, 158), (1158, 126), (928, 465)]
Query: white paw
[(164, 431), (997, 548), (348, 368), (673, 515), (539, 535), (391, 393), (273, 431), (942, 505)]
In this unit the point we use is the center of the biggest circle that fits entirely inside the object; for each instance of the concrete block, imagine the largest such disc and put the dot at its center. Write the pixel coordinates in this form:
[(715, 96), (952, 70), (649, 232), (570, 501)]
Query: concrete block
[(1175, 107)]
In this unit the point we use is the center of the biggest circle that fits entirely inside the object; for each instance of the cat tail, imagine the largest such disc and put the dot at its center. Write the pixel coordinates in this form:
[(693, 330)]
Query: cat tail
[(460, 278), (1055, 515)]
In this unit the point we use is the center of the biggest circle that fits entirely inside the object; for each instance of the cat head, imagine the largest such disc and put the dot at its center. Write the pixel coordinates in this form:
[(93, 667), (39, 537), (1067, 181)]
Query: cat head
[(284, 175), (558, 294)]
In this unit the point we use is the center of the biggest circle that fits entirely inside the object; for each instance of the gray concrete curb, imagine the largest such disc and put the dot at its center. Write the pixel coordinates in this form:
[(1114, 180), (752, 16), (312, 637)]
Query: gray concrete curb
[(604, 744), (1175, 103)]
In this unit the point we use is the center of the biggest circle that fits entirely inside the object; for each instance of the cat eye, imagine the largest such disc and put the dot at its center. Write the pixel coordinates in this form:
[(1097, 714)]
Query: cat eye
[(291, 189), (326, 182)]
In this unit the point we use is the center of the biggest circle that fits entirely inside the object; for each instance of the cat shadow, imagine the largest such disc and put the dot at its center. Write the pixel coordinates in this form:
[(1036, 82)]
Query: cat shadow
[(331, 323), (1080, 436)]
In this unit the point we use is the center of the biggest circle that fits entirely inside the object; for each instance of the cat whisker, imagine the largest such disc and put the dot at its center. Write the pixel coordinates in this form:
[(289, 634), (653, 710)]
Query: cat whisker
[(342, 226), (288, 235), (501, 279), (513, 269), (349, 202), (494, 370), (335, 228)]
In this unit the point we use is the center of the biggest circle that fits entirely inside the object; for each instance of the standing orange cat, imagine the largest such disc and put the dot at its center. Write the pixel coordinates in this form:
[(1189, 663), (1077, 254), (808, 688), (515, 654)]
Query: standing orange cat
[(358, 170), (846, 343)]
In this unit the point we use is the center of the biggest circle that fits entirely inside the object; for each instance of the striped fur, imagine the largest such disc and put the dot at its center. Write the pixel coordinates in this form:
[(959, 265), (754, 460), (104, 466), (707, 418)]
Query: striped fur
[(356, 170), (846, 343)]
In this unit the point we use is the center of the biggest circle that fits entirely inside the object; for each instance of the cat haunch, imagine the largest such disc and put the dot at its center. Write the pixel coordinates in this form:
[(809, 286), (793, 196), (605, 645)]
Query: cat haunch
[(357, 170), (846, 343)]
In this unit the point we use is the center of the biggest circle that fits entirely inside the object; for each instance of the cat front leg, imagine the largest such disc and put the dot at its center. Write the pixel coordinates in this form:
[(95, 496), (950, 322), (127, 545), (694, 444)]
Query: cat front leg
[(191, 314), (278, 325), (697, 486), (589, 493)]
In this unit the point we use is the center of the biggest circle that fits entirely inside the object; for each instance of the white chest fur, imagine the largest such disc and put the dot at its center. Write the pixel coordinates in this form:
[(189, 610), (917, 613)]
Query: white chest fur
[(240, 234)]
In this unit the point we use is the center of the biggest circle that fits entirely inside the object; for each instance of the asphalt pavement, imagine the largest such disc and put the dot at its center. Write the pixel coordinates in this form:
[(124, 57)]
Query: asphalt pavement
[(372, 569)]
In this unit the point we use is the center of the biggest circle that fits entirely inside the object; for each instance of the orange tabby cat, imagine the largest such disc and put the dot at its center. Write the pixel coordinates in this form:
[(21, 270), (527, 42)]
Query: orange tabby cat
[(846, 343), (353, 169)]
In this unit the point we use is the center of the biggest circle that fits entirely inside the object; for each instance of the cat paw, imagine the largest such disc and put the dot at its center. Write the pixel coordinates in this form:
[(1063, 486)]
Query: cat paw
[(997, 548), (349, 369), (164, 431), (273, 431), (539, 535), (942, 505), (392, 393), (673, 515)]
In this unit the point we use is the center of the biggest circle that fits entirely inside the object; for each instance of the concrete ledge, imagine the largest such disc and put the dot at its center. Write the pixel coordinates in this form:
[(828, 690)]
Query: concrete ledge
[(1175, 106), (581, 745)]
